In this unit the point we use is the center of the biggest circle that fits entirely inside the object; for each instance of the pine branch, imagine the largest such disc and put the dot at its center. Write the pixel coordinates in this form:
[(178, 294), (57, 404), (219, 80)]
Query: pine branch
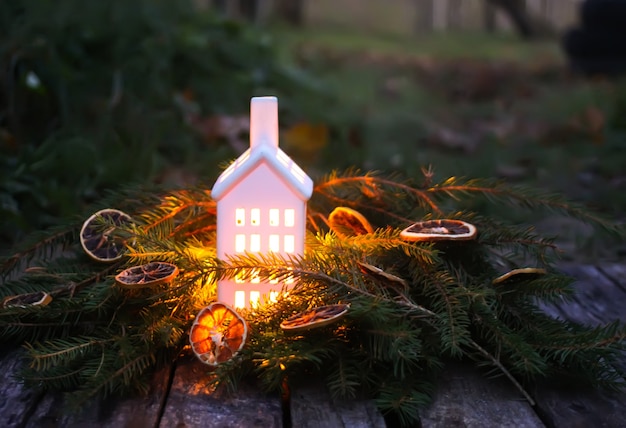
[(427, 301), (524, 197), (504, 371)]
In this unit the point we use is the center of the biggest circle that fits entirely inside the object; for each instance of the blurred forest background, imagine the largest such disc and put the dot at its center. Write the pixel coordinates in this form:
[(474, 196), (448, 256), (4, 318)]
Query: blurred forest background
[(98, 96)]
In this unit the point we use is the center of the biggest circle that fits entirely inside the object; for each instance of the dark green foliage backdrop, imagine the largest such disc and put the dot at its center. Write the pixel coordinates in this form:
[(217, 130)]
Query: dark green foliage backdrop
[(96, 94)]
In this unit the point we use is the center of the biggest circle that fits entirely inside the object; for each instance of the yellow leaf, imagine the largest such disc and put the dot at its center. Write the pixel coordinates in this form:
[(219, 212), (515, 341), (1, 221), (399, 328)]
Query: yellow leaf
[(306, 138)]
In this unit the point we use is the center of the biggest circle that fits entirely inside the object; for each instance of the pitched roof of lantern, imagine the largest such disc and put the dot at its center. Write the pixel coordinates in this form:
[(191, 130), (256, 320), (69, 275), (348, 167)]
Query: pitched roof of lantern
[(264, 149)]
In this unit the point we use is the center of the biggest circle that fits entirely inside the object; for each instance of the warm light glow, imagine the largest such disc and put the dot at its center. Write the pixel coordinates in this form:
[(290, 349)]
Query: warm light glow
[(240, 243), (240, 299), (255, 243), (255, 297), (290, 243), (255, 216), (273, 296), (255, 278), (290, 217), (274, 216), (250, 223), (240, 217), (275, 243)]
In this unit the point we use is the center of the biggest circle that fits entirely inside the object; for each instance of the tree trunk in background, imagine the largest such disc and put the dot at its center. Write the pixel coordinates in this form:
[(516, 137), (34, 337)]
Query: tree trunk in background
[(425, 10), (490, 17), (516, 10), (527, 25), (290, 10)]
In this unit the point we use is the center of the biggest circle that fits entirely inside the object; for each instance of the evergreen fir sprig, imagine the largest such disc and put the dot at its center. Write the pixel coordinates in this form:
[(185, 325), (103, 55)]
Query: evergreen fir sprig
[(436, 301), (499, 192)]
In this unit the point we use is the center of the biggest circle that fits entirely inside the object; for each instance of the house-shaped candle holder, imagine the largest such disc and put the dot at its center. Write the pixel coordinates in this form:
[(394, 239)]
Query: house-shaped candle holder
[(261, 206)]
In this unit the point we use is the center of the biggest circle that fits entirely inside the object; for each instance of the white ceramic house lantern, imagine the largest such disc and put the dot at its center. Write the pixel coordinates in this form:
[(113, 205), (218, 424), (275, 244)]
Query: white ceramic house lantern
[(261, 205)]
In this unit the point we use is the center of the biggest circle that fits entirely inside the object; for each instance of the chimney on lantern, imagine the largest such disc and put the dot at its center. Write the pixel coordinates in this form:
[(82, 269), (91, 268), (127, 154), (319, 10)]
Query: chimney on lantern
[(264, 121)]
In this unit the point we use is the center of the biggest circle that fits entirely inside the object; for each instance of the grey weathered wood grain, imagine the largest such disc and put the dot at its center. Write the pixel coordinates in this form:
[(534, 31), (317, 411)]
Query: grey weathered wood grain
[(599, 300), (465, 398), (16, 400), (616, 273), (114, 412), (191, 403), (313, 407), (581, 408)]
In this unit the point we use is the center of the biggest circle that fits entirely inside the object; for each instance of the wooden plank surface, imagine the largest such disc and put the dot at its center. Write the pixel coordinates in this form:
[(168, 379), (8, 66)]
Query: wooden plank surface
[(191, 403), (133, 411), (180, 397), (465, 398), (599, 300), (313, 407), (16, 401)]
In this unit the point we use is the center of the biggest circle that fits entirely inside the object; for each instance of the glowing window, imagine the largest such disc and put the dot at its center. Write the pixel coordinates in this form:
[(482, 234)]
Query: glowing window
[(275, 243), (255, 296), (273, 296), (274, 216), (255, 243), (290, 217), (290, 244), (240, 217), (239, 278), (255, 216), (240, 299), (274, 281), (255, 277), (240, 243)]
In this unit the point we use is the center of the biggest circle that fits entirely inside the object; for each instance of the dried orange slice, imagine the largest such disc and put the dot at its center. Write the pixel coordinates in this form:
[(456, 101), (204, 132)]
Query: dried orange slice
[(518, 275), (380, 275), (38, 298), (147, 275), (314, 318), (217, 334), (346, 222), (97, 236), (439, 230)]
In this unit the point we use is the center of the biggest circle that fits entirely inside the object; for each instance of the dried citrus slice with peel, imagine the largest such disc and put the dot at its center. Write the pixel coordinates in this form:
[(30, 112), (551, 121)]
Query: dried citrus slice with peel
[(314, 318), (147, 275), (380, 275), (38, 298), (439, 230), (98, 238), (346, 222), (217, 334), (518, 275)]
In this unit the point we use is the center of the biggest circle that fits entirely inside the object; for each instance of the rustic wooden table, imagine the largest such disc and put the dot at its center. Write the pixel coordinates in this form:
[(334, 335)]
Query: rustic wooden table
[(178, 396)]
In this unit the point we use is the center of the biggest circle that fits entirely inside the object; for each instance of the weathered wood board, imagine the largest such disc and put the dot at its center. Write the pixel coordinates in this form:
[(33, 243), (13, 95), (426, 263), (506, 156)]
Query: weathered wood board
[(465, 398), (130, 412), (599, 300), (17, 402), (180, 397), (313, 407), (192, 403)]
